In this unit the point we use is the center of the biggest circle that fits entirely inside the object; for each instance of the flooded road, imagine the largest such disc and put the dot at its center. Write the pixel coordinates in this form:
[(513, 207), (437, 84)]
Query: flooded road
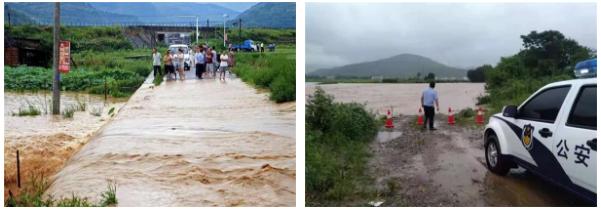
[(190, 143), (403, 98), (46, 141), (447, 168)]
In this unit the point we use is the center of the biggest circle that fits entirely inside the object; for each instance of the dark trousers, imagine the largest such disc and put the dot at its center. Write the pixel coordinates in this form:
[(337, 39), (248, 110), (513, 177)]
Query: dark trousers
[(200, 68), (156, 70), (429, 116)]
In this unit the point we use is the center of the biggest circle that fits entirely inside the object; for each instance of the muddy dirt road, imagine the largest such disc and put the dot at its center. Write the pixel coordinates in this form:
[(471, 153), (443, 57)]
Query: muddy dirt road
[(190, 143), (46, 141), (403, 97), (446, 167)]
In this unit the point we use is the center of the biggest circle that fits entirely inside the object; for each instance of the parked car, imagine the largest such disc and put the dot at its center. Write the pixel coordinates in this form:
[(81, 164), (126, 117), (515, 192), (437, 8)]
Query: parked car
[(248, 45), (552, 134)]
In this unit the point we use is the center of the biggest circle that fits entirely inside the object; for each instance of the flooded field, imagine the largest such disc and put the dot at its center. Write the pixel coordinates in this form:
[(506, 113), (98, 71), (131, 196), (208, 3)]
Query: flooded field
[(190, 143), (403, 98), (447, 168), (47, 141)]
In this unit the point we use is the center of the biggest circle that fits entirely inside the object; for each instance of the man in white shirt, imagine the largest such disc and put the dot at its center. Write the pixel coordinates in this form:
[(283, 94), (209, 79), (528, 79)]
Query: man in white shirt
[(429, 98), (156, 62)]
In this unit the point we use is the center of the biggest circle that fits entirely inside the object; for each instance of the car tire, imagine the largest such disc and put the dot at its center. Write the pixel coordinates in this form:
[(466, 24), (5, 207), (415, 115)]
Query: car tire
[(495, 161)]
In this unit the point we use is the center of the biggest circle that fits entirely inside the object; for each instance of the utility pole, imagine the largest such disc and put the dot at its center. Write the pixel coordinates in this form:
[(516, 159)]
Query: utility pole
[(240, 29), (56, 94), (224, 18), (196, 29), (207, 33)]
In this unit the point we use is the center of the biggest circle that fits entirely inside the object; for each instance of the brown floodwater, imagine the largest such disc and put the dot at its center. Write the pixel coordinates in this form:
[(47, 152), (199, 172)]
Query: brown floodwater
[(190, 143), (402, 98), (45, 142)]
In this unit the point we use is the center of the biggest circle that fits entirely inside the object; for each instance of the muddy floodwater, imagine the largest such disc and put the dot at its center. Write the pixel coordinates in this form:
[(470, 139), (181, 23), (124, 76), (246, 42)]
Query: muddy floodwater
[(403, 98), (46, 141), (447, 167), (190, 143)]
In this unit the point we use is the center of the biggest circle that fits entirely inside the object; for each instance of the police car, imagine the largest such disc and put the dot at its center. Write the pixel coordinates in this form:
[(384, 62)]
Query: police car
[(552, 134)]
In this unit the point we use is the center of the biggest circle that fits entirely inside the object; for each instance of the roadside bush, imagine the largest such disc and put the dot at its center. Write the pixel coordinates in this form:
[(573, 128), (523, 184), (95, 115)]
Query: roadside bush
[(275, 71), (337, 140)]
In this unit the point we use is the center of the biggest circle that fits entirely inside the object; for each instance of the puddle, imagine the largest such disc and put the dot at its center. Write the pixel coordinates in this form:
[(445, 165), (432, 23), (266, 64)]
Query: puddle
[(386, 136), (190, 143)]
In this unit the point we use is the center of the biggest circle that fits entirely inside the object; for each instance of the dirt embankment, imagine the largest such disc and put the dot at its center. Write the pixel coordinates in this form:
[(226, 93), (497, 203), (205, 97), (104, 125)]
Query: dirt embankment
[(446, 167)]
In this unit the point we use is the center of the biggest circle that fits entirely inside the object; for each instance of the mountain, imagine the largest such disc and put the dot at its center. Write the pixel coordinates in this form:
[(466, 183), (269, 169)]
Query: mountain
[(237, 6), (400, 66), (170, 13), (269, 15), (72, 12)]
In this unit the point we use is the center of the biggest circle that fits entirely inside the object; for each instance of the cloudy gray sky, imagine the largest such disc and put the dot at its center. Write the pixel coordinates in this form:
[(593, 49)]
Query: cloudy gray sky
[(457, 34)]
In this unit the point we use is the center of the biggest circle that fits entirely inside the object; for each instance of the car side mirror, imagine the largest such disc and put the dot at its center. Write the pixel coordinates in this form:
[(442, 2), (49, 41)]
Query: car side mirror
[(510, 111)]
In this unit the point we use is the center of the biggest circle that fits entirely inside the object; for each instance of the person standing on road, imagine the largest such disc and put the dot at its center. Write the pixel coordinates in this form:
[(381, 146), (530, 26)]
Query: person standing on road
[(223, 65), (209, 62), (429, 98), (215, 56), (200, 62), (168, 60), (188, 60), (180, 62), (156, 62), (230, 61)]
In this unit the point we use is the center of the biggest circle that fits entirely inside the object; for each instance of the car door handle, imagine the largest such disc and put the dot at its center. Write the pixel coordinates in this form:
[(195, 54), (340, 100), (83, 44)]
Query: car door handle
[(545, 132), (592, 144)]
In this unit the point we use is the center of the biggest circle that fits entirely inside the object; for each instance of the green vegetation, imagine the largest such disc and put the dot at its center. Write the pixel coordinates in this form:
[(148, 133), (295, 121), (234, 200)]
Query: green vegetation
[(100, 55), (273, 70), (32, 195), (119, 83), (68, 112), (547, 57), (337, 139), (30, 110), (82, 38)]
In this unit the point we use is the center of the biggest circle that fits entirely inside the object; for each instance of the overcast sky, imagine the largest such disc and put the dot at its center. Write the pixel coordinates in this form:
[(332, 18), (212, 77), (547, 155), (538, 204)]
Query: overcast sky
[(461, 35)]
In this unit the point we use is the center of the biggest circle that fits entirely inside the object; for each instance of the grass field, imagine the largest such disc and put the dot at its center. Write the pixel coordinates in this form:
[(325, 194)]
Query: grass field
[(275, 71)]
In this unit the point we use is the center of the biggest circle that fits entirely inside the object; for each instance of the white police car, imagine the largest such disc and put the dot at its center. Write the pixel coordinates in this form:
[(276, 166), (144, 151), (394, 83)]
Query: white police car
[(552, 134)]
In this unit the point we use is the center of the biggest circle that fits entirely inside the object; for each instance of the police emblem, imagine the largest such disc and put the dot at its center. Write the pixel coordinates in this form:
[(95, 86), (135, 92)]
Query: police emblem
[(527, 136)]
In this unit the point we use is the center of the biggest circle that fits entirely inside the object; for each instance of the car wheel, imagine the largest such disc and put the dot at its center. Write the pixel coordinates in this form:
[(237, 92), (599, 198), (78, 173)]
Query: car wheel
[(495, 161)]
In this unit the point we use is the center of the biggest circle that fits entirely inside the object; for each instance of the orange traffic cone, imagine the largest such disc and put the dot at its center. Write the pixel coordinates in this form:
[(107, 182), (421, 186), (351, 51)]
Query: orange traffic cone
[(451, 118), (389, 120), (480, 116), (420, 117)]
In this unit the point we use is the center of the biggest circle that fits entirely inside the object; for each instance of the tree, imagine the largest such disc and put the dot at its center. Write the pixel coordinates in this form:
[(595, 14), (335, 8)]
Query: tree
[(477, 74), (551, 53), (430, 77)]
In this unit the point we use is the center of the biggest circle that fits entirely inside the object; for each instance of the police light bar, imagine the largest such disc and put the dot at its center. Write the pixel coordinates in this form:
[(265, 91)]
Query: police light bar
[(586, 69)]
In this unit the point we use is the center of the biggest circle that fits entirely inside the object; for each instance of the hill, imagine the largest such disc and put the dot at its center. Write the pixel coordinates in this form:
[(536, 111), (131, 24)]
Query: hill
[(72, 12), (172, 13), (269, 15), (400, 66)]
